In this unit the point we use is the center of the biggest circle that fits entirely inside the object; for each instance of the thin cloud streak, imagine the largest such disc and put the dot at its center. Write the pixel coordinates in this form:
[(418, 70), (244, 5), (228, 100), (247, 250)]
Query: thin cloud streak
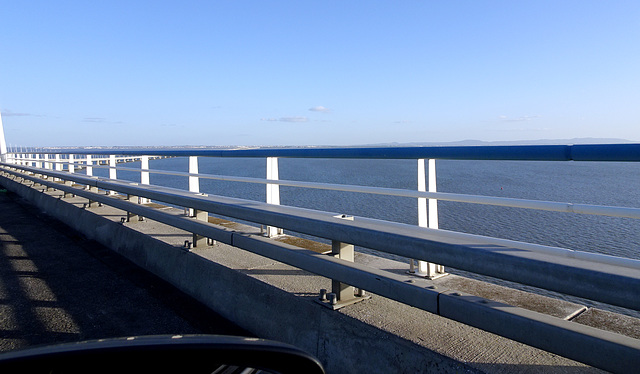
[(518, 119), (9, 113), (320, 108), (287, 119)]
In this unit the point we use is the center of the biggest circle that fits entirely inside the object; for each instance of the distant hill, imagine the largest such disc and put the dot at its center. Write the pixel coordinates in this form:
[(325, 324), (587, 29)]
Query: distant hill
[(471, 142)]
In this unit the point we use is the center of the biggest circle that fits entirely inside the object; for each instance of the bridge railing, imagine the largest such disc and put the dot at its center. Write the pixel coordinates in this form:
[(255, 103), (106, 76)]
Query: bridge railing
[(608, 279)]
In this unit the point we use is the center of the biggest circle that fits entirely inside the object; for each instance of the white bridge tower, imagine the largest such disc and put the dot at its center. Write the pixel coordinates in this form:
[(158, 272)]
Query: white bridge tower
[(3, 142)]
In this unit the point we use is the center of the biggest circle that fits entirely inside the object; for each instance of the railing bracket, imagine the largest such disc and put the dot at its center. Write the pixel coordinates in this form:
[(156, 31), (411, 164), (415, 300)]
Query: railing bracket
[(330, 299)]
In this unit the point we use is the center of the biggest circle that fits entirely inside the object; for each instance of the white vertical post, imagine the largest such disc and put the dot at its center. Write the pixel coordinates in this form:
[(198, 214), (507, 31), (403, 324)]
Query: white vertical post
[(47, 164), (427, 217), (58, 162), (89, 165), (433, 203), (38, 162), (113, 173), (57, 165), (273, 192), (433, 210), (144, 165), (71, 169), (194, 181), (422, 201), (72, 166), (144, 176)]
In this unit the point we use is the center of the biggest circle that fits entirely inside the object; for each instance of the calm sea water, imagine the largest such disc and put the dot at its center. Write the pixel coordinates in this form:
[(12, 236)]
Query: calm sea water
[(599, 183)]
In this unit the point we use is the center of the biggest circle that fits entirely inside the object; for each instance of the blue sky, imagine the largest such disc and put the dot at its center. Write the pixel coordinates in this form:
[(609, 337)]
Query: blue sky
[(317, 73)]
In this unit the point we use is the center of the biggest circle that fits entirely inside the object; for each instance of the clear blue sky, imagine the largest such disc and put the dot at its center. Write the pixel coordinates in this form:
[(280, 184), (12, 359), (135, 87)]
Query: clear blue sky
[(317, 72)]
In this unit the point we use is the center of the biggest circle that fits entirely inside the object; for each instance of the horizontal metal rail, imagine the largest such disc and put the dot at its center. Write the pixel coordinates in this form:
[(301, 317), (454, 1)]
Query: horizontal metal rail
[(615, 352), (602, 210), (597, 277), (554, 206), (578, 152)]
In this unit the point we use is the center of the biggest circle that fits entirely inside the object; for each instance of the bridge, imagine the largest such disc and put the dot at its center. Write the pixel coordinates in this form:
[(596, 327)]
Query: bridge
[(355, 311)]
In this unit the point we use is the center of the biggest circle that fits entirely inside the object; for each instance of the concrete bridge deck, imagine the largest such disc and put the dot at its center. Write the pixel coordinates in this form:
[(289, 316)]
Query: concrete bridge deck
[(57, 287)]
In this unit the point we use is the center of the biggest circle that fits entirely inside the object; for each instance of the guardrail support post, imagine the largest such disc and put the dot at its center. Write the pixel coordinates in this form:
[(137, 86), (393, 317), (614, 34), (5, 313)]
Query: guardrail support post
[(343, 251), (199, 240), (130, 215), (342, 294), (427, 217), (273, 193)]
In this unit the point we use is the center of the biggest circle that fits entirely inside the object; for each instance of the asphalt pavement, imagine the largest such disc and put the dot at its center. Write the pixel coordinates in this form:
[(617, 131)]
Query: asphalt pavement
[(57, 287)]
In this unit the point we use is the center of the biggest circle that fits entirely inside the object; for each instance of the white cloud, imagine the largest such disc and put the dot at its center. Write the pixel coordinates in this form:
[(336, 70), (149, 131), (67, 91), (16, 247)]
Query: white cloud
[(8, 113), (99, 120), (320, 108), (518, 119), (94, 119), (287, 119), (294, 119)]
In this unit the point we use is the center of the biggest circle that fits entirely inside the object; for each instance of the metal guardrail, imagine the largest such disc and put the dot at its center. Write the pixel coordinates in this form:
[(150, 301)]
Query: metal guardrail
[(607, 279)]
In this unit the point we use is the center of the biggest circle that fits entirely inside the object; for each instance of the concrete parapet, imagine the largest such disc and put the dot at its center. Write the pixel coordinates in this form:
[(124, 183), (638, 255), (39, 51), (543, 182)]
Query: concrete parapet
[(277, 301)]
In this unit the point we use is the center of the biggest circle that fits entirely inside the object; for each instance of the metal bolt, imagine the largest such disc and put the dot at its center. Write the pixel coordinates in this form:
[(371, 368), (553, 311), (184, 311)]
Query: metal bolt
[(123, 220), (187, 244), (323, 294), (333, 298), (360, 292)]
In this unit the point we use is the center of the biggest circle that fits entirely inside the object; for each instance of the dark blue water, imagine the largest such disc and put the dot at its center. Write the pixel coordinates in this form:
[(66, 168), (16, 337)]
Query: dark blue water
[(599, 183)]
